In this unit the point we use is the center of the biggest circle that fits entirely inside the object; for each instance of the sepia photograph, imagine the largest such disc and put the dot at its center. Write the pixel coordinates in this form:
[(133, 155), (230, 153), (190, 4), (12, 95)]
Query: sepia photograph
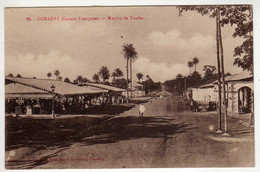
[(129, 87)]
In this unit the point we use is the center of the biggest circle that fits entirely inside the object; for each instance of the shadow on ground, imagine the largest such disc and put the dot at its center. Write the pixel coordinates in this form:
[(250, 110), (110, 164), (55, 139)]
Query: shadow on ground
[(109, 109), (45, 134)]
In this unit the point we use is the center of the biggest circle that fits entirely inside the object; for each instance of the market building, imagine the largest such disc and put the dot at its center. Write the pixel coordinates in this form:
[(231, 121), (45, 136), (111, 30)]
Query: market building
[(37, 96)]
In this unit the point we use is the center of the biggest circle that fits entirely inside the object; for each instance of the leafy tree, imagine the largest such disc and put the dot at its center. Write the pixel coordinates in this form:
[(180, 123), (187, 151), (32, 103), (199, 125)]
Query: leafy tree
[(150, 85), (245, 50), (79, 79), (179, 76), (195, 61), (85, 80), (190, 65), (139, 76), (95, 78), (121, 83), (209, 72), (196, 78), (49, 75), (67, 80), (57, 73), (10, 75), (130, 55), (59, 78), (240, 16), (104, 73)]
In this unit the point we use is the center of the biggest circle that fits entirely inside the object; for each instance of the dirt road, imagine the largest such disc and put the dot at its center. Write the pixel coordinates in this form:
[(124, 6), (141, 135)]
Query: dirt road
[(162, 138)]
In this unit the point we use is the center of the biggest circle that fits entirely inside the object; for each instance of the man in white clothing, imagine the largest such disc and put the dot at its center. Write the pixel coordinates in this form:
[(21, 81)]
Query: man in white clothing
[(141, 110)]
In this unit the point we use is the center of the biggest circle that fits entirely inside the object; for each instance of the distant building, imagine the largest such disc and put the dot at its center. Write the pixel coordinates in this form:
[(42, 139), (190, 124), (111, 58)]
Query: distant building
[(202, 97), (137, 90)]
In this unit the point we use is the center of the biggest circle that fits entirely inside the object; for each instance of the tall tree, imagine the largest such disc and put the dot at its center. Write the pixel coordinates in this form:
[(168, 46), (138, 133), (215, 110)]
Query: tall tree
[(130, 55), (57, 73), (195, 61), (104, 73), (240, 16), (95, 78), (49, 75), (139, 76), (190, 65)]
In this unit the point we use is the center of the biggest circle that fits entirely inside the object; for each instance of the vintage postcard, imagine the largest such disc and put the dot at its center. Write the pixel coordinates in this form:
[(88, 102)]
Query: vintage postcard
[(129, 87)]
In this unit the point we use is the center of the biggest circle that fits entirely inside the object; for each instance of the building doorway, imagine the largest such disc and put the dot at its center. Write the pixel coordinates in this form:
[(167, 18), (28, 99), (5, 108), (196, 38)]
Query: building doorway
[(245, 100)]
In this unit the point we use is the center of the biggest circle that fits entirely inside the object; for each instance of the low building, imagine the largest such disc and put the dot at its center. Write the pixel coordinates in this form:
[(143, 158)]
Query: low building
[(137, 90), (239, 93), (202, 97)]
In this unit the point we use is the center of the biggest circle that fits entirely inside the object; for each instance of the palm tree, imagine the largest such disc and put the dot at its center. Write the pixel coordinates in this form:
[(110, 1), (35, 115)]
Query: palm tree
[(57, 73), (130, 55), (49, 75), (139, 76), (114, 75), (119, 73), (104, 73), (195, 61), (190, 65), (95, 78)]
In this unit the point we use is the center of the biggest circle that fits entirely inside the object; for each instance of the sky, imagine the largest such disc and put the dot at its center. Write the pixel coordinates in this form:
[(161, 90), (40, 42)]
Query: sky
[(165, 41)]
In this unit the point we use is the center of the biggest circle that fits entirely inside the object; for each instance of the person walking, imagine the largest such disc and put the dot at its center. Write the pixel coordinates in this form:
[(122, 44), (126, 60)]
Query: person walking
[(141, 109)]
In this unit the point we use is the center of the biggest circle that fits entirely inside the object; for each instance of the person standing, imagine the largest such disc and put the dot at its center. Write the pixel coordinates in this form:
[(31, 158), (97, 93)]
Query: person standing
[(141, 109)]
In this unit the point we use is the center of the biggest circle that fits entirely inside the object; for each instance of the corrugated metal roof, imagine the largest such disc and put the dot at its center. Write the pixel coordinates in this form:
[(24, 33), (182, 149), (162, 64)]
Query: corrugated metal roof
[(135, 84), (106, 87), (27, 95), (240, 76), (16, 88), (61, 88), (209, 85)]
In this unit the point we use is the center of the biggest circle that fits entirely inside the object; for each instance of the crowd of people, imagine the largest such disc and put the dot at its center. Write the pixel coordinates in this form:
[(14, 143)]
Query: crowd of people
[(62, 105)]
